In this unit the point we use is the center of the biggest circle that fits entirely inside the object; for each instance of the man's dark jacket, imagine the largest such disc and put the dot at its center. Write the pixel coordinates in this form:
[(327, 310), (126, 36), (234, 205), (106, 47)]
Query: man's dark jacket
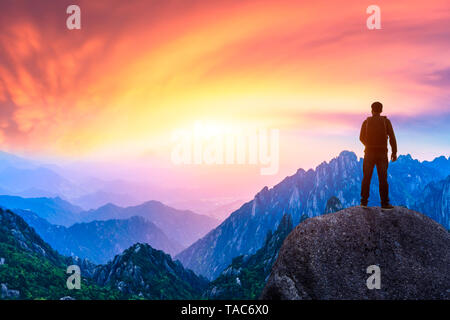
[(374, 133)]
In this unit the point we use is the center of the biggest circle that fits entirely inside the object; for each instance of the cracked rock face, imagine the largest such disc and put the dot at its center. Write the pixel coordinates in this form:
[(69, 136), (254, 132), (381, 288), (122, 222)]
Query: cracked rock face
[(327, 257)]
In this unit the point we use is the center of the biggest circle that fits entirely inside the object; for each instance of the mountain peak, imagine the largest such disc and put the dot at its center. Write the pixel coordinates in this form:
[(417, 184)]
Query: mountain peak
[(347, 154), (264, 191), (406, 157), (326, 257), (109, 205), (152, 203), (146, 272)]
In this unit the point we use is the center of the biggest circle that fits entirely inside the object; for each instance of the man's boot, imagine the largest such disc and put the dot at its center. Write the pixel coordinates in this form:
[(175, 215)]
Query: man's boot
[(387, 206), (364, 203)]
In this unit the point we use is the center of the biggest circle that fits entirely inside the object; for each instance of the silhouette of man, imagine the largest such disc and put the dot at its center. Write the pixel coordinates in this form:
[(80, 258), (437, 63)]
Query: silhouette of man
[(375, 131)]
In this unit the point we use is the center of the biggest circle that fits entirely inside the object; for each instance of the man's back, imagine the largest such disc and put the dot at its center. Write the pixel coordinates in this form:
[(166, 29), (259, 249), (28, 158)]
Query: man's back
[(374, 134)]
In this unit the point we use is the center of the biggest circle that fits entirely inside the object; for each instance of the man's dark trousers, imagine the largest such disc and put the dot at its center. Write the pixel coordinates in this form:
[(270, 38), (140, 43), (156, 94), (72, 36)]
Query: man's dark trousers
[(372, 159)]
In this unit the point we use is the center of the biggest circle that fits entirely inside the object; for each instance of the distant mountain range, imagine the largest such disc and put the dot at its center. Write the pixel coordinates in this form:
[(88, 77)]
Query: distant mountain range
[(31, 269), (27, 178), (307, 193), (40, 178), (110, 229), (100, 198), (54, 210), (100, 241), (11, 160), (44, 190), (34, 179), (183, 226), (100, 234)]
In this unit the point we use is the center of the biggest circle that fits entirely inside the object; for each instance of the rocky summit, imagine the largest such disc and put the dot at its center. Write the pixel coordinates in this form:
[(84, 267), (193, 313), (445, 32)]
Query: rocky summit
[(333, 257)]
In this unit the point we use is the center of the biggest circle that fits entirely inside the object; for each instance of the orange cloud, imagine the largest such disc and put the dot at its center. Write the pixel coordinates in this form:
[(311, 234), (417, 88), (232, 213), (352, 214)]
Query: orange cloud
[(139, 69)]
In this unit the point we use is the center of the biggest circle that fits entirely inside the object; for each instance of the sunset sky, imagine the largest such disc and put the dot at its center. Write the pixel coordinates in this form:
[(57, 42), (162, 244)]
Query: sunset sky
[(112, 93)]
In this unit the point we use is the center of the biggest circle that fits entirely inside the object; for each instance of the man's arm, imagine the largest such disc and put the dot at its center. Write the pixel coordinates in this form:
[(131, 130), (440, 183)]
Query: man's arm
[(392, 140), (362, 134)]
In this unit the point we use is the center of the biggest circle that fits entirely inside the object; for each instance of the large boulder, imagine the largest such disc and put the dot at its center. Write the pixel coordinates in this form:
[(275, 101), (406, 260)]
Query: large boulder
[(327, 257)]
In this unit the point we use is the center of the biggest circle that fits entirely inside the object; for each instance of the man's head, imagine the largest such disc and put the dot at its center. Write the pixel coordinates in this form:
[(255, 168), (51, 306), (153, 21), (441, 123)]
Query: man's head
[(377, 107)]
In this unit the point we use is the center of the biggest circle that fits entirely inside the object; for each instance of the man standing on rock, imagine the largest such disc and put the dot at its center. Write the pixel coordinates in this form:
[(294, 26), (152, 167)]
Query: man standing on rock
[(375, 131)]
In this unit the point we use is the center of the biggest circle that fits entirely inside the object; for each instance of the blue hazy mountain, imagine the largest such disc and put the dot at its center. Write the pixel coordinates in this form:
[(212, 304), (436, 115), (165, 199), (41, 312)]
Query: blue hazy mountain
[(19, 181), (54, 210), (32, 179), (183, 226), (435, 201), (441, 164), (100, 198), (100, 241), (27, 178), (305, 193), (11, 160)]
